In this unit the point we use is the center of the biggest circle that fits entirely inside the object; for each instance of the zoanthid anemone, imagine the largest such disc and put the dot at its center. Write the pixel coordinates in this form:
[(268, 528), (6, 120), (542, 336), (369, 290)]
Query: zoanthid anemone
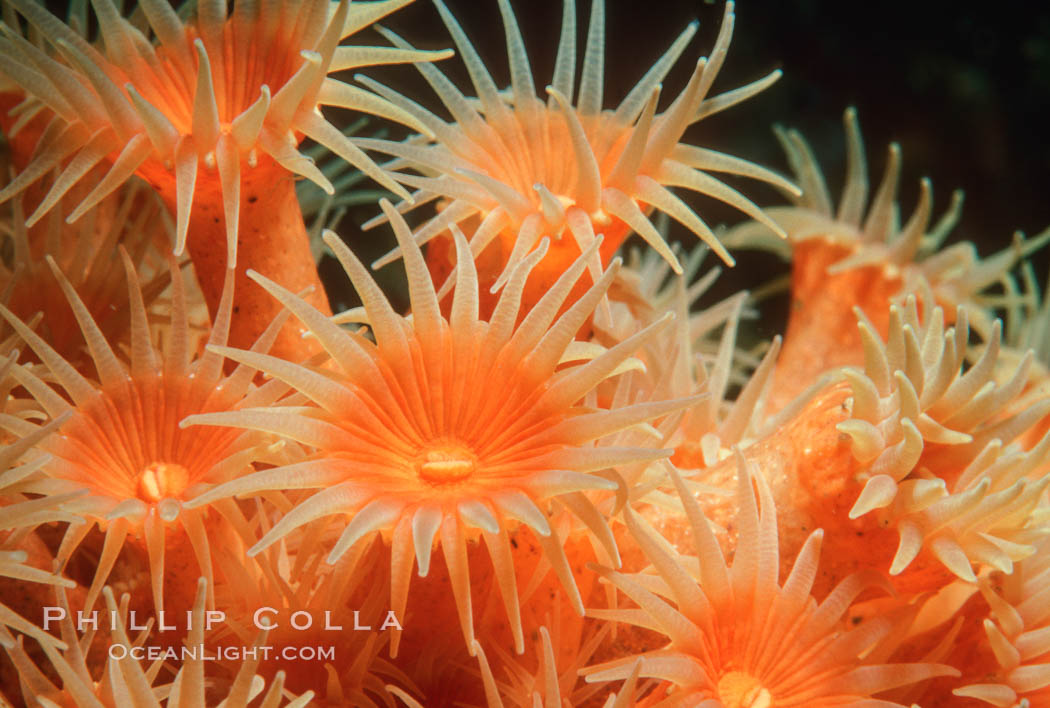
[(513, 169), (448, 428), (934, 442), (863, 234), (119, 448), (218, 89), (123, 682), (860, 254), (129, 218), (210, 115), (738, 637)]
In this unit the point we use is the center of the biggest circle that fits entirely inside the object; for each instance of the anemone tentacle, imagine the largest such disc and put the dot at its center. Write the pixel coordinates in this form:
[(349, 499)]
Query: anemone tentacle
[(1015, 631), (699, 355), (23, 556)]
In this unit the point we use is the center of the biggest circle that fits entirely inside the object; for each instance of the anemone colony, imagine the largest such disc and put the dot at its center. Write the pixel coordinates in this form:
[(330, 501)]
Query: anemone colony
[(552, 479)]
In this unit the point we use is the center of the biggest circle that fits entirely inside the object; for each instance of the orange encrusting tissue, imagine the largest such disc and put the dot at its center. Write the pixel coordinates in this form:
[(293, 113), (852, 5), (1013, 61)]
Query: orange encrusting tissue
[(815, 481)]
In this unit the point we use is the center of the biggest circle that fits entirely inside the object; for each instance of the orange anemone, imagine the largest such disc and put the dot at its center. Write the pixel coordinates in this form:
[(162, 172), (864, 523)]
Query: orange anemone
[(738, 637), (448, 428), (210, 115), (119, 451), (520, 169)]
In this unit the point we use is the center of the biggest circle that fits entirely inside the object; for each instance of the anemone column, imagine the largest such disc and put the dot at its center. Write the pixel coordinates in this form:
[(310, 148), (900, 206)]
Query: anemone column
[(822, 328), (271, 239)]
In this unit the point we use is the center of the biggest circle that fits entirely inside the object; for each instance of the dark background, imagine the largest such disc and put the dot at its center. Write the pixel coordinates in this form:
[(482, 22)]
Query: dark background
[(964, 88)]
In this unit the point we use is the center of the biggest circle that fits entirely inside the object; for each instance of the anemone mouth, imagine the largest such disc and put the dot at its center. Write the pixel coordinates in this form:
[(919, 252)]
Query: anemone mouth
[(445, 462), (739, 689), (162, 480)]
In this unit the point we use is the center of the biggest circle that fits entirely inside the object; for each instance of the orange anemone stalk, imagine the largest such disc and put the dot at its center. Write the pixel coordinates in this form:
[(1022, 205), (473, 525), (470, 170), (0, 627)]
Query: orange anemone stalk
[(448, 429), (210, 116)]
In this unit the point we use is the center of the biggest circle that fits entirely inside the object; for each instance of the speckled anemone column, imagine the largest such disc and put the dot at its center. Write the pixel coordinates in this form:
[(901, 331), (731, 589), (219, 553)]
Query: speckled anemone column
[(271, 221)]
